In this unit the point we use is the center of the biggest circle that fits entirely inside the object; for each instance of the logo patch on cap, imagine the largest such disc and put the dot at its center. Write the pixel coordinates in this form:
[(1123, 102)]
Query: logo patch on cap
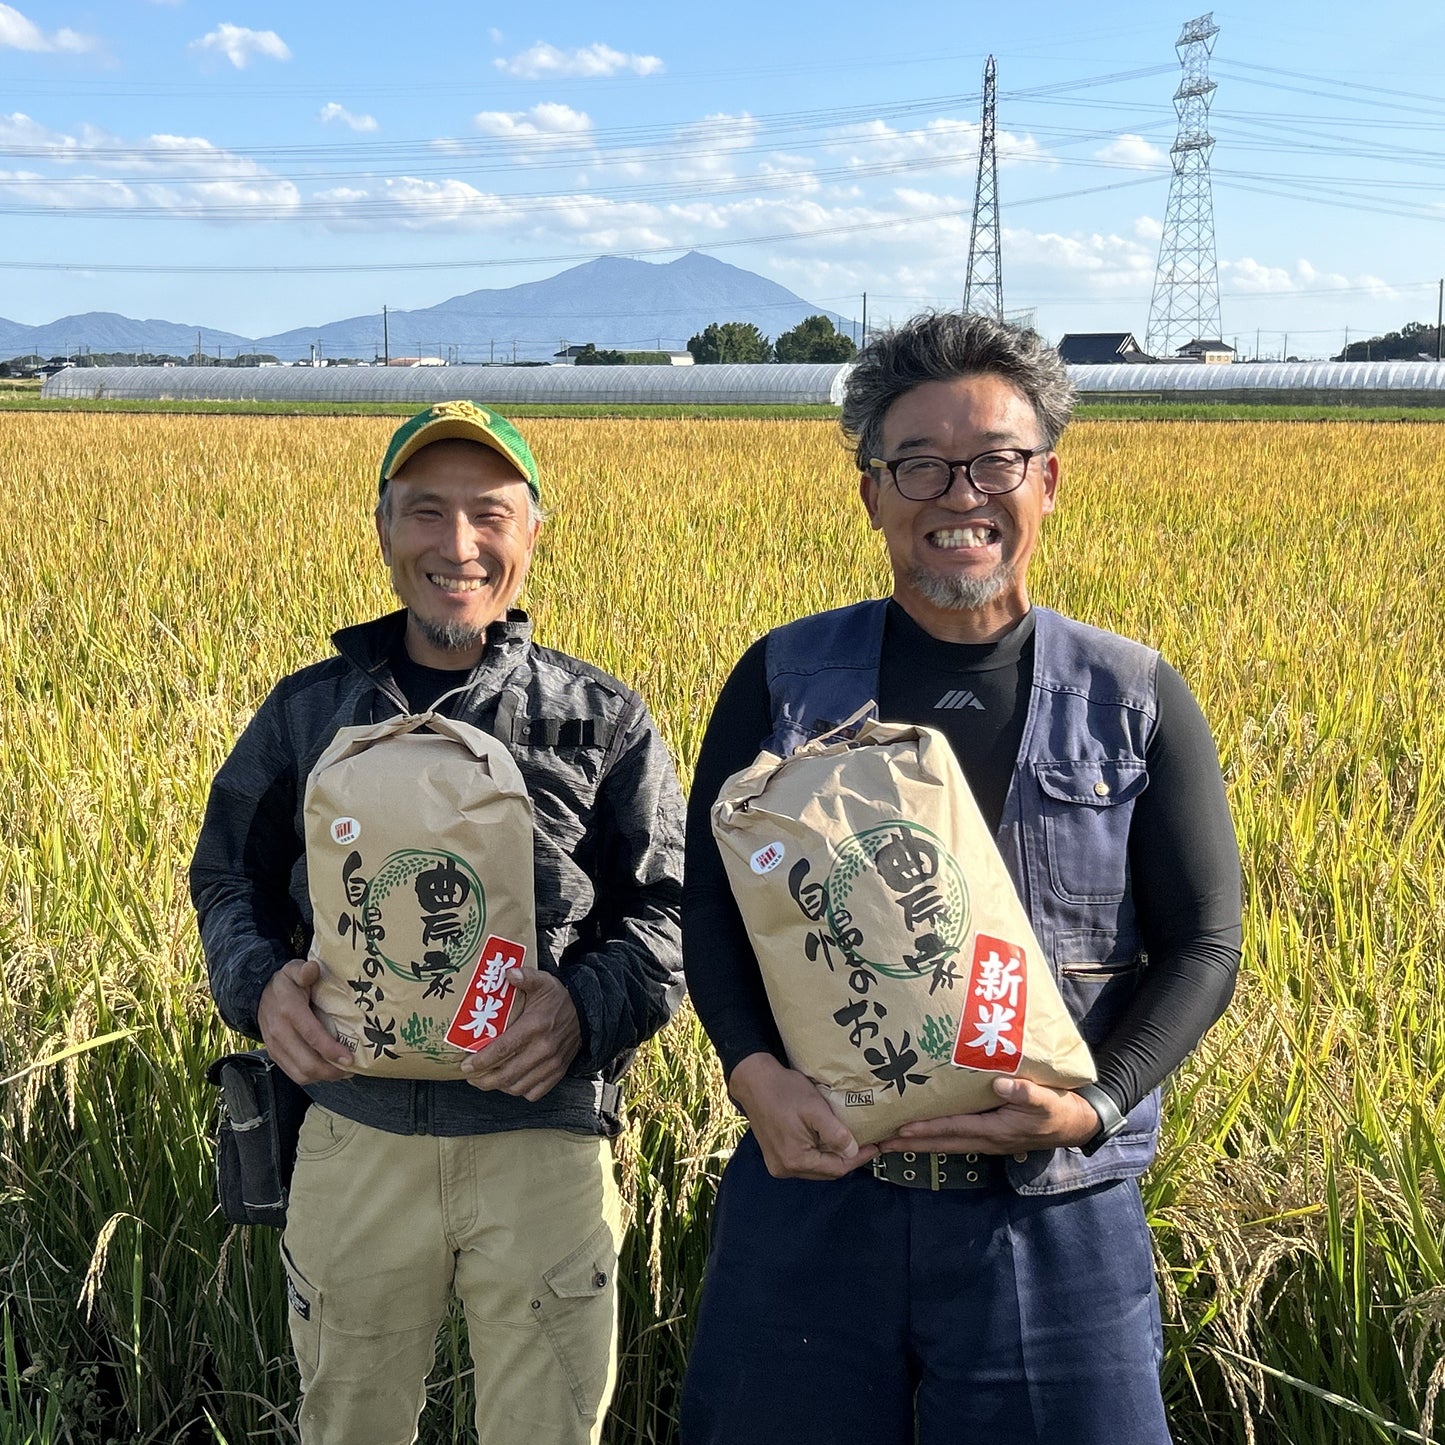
[(460, 411)]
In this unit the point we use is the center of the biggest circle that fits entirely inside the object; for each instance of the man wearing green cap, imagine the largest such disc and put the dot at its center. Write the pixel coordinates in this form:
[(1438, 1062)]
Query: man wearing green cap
[(499, 1187)]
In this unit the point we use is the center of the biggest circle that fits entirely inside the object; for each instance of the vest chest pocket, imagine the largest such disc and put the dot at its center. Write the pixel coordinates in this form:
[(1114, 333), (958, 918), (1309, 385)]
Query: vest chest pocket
[(1086, 808)]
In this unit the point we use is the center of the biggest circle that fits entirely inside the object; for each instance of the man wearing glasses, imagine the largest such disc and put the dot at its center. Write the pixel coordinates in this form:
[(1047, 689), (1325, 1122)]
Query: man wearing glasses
[(983, 1276)]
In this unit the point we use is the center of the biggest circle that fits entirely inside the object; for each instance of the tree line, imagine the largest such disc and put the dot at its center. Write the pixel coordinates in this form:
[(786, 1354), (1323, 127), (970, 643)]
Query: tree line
[(1412, 342), (813, 339), (21, 365)]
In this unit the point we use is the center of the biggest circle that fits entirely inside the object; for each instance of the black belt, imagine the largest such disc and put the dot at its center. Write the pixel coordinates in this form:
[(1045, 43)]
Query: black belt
[(941, 1171)]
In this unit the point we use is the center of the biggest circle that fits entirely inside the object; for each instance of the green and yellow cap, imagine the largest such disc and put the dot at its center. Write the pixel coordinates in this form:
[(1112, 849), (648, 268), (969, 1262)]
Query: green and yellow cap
[(463, 419)]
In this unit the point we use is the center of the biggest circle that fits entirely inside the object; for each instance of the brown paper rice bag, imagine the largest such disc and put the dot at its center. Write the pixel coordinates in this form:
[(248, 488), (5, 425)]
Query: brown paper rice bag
[(419, 860), (900, 965)]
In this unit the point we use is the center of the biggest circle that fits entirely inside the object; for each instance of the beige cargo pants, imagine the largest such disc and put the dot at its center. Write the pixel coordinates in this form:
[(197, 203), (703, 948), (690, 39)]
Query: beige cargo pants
[(524, 1227)]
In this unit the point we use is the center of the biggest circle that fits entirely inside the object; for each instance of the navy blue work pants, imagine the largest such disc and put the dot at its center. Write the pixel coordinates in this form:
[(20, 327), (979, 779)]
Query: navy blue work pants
[(856, 1312)]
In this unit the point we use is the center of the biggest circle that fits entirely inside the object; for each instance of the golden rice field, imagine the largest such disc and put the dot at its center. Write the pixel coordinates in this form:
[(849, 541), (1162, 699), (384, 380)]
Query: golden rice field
[(165, 570)]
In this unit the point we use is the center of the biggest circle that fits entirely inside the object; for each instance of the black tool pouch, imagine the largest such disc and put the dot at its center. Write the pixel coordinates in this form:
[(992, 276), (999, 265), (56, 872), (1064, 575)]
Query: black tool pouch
[(258, 1119)]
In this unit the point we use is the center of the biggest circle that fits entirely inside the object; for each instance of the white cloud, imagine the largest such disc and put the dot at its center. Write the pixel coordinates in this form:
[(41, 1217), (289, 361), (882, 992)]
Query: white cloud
[(1134, 152), (700, 151), (33, 189), (274, 198), (705, 149), (494, 35), (550, 120), (842, 282), (943, 144), (1147, 228), (17, 32), (18, 131), (905, 269), (730, 185), (875, 143), (1249, 275), (191, 176), (182, 153), (547, 62), (1103, 261), (795, 171), (97, 147), (332, 111), (264, 198), (409, 202), (240, 46)]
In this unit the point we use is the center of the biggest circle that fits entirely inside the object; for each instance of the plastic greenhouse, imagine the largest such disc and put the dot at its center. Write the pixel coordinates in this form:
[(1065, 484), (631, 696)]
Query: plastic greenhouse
[(1361, 383), (500, 386)]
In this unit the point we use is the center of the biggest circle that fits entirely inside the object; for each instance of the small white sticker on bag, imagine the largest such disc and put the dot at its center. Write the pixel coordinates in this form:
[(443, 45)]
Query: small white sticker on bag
[(345, 830), (766, 859)]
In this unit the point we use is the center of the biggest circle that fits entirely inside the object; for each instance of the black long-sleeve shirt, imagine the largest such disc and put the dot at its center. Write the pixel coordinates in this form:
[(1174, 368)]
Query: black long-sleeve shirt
[(1183, 858)]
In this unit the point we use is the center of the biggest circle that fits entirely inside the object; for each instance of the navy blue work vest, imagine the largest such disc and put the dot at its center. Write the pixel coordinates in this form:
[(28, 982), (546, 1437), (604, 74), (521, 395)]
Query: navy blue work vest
[(1064, 833)]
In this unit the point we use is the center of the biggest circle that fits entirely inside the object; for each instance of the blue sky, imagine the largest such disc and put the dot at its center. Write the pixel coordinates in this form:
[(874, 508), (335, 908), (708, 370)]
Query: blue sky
[(257, 166)]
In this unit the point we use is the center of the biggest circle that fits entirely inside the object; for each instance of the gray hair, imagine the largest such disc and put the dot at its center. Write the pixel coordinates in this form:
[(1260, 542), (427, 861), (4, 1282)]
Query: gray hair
[(941, 345)]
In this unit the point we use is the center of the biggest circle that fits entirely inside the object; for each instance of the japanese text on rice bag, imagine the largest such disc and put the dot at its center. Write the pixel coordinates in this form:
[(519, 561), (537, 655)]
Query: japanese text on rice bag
[(899, 963), (419, 862)]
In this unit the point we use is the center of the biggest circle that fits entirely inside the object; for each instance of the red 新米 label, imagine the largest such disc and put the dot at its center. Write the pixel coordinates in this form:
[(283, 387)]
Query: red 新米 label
[(487, 1003), (991, 1031)]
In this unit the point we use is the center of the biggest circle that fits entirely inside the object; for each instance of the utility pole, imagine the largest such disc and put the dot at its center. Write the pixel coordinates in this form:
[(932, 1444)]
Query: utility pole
[(1345, 354), (865, 318), (1439, 318), (385, 340), (1185, 305), (983, 288), (1284, 354)]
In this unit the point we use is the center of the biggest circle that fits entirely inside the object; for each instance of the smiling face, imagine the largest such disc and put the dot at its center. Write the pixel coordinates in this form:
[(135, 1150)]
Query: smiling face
[(960, 561), (457, 533)]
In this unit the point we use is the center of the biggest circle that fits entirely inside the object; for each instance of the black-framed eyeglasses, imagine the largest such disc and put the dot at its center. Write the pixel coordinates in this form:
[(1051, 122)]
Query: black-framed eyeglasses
[(993, 473)]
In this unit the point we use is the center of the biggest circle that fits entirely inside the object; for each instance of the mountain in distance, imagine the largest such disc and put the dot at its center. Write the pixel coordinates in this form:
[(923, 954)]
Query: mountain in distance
[(108, 331), (612, 301)]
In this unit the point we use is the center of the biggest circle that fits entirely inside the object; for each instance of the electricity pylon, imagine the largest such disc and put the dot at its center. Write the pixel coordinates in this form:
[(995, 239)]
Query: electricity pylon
[(1185, 304), (983, 291)]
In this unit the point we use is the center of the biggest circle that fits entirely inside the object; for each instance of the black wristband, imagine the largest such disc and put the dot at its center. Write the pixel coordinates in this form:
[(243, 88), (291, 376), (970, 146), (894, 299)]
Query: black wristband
[(1111, 1121)]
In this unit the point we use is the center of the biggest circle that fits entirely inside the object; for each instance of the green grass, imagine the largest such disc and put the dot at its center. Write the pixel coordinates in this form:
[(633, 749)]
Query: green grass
[(1244, 411)]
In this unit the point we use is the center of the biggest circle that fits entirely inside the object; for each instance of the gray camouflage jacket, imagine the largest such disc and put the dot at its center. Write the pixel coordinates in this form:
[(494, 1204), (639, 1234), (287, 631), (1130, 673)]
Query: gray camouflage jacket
[(607, 862)]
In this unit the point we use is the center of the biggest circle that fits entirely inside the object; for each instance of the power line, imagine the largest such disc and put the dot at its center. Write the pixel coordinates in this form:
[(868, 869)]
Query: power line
[(472, 263), (1433, 103)]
